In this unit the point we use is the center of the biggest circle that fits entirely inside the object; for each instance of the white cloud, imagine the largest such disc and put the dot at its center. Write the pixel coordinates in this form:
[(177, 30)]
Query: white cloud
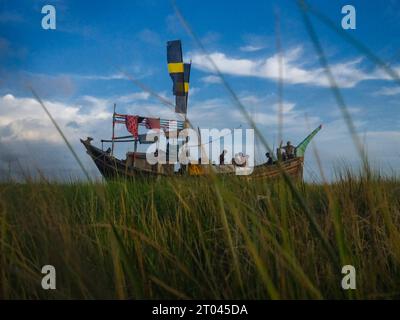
[(27, 120), (24, 124), (133, 97), (255, 42), (266, 116), (24, 119), (29, 136), (211, 79), (287, 107), (193, 91), (114, 76), (347, 74), (335, 112), (388, 91), (210, 38), (251, 48), (221, 113)]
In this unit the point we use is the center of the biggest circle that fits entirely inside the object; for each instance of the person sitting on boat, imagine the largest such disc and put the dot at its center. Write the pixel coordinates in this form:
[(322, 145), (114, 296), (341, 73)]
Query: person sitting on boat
[(269, 159), (222, 157), (240, 159), (289, 150)]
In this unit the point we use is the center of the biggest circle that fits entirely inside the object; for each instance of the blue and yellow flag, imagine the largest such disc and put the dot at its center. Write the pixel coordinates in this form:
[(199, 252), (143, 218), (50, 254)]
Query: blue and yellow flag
[(180, 75), (175, 67), (181, 101)]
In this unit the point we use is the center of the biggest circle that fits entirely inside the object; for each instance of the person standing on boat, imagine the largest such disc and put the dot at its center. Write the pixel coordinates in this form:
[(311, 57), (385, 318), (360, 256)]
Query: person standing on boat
[(289, 150), (269, 159), (222, 157)]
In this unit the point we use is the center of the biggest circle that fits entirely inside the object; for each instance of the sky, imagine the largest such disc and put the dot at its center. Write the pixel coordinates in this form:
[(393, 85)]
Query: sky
[(87, 63)]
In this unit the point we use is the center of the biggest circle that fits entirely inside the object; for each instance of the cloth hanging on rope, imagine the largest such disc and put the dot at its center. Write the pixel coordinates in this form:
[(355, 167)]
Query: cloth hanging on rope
[(131, 123), (152, 123)]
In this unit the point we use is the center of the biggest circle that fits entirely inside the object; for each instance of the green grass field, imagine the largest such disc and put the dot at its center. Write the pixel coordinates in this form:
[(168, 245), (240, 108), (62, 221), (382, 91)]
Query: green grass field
[(201, 238)]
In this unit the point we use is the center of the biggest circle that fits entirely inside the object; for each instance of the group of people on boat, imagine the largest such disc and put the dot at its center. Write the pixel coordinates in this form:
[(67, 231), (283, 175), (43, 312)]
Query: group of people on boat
[(282, 154), (240, 159)]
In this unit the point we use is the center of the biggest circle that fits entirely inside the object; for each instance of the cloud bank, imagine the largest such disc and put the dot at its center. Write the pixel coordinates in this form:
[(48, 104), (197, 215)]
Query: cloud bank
[(295, 71)]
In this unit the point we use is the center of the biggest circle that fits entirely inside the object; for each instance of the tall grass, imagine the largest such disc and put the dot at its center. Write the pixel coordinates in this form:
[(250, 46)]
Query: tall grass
[(189, 238)]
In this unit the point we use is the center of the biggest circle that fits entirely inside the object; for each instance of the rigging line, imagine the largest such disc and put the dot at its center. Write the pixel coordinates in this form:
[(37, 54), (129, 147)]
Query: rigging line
[(203, 144), (311, 218), (147, 89), (60, 132)]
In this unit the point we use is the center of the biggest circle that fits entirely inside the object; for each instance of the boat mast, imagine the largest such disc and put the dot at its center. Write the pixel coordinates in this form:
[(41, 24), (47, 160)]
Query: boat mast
[(113, 130)]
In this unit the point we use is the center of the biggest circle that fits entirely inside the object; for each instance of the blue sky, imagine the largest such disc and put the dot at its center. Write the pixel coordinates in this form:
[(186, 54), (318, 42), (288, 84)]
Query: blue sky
[(80, 69)]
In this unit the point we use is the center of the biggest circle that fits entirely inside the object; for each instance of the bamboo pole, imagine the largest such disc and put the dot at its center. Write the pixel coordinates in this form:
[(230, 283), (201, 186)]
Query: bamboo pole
[(134, 152), (113, 131)]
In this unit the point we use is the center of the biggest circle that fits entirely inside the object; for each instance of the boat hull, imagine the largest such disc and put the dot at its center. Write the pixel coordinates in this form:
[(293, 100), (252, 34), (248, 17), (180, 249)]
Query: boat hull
[(113, 168)]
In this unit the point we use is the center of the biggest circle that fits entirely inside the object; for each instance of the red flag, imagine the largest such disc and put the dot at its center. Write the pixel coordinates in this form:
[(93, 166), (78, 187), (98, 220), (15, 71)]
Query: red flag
[(131, 123), (152, 123)]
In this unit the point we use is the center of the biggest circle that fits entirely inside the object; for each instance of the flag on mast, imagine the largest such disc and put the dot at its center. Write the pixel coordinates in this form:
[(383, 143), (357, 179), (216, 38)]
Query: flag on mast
[(175, 66), (181, 101), (180, 75)]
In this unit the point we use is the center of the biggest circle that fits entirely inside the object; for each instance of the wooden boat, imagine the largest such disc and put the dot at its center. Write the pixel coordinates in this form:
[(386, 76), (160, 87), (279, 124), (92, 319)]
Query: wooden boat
[(136, 165)]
